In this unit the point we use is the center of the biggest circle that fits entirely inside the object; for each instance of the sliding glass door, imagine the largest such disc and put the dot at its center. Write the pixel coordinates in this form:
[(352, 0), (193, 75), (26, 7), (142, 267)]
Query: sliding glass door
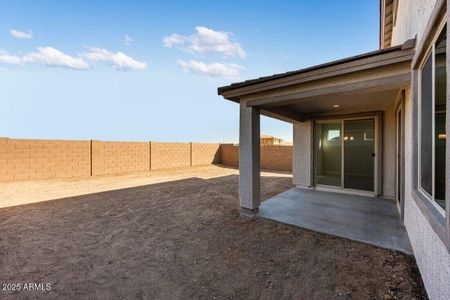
[(344, 153), (329, 154), (359, 153)]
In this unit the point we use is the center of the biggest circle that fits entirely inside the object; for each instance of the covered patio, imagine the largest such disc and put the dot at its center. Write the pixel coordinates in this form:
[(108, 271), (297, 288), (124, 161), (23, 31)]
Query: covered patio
[(358, 218), (348, 137)]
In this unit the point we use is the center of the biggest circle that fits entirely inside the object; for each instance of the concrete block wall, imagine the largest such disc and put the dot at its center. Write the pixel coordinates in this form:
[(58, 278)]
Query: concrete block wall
[(276, 158), (23, 159), (29, 159), (229, 155), (203, 154), (170, 155), (119, 157), (272, 157)]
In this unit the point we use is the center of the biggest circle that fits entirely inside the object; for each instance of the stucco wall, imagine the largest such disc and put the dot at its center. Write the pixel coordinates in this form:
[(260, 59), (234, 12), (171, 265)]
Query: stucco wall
[(388, 189), (431, 254), (433, 259), (412, 18), (301, 161)]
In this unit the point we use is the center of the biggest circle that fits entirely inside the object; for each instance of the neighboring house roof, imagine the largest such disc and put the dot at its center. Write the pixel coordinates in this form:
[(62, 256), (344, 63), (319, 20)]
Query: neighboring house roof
[(362, 59), (266, 136)]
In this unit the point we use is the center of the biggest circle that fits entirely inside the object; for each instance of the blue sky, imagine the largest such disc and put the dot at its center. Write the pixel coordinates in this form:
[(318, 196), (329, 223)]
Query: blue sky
[(69, 71)]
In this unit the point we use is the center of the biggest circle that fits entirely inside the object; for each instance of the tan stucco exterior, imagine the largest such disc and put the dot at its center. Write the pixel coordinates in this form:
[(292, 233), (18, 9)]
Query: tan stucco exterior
[(302, 156), (388, 187), (412, 18), (432, 256)]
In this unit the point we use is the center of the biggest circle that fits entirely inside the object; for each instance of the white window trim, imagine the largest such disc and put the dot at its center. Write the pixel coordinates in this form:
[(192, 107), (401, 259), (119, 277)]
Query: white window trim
[(431, 52)]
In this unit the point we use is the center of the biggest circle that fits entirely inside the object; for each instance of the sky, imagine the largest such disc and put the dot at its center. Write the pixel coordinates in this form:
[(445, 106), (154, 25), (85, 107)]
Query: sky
[(149, 70)]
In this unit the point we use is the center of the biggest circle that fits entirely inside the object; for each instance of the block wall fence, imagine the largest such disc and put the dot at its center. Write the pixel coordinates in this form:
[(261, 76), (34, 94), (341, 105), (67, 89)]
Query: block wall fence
[(30, 159), (272, 157)]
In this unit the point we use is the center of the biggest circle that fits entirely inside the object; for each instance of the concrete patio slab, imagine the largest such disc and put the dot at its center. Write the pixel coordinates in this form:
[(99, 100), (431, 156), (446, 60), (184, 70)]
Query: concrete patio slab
[(369, 220)]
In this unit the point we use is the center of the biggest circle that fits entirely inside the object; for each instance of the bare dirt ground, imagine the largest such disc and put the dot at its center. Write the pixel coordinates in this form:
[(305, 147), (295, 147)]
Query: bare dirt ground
[(177, 234)]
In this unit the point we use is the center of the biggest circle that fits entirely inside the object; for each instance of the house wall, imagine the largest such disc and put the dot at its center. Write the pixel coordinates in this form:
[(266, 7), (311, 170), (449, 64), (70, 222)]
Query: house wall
[(432, 256), (412, 18)]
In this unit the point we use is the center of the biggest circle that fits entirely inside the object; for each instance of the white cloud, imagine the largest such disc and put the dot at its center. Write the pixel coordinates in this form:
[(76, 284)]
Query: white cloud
[(54, 58), (7, 58), (22, 35), (119, 61), (206, 40), (174, 39), (227, 71), (127, 40)]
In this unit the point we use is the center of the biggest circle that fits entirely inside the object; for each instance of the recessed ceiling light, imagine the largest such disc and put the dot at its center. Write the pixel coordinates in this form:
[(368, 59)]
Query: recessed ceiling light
[(336, 105)]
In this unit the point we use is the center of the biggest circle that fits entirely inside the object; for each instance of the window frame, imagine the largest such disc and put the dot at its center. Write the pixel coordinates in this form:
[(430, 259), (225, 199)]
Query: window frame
[(430, 52)]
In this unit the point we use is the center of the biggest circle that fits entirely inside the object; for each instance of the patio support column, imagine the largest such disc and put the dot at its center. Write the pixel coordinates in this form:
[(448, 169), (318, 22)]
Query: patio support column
[(249, 153), (302, 156)]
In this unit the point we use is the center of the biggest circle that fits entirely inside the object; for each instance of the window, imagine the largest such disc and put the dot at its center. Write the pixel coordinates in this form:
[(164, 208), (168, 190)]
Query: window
[(432, 122), (426, 136)]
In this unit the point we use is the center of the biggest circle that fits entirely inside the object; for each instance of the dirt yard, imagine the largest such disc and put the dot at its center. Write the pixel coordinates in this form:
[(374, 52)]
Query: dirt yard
[(176, 235)]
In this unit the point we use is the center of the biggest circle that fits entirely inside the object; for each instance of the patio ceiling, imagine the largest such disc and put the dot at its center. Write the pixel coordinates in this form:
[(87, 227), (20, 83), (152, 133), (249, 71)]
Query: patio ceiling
[(338, 103), (363, 83)]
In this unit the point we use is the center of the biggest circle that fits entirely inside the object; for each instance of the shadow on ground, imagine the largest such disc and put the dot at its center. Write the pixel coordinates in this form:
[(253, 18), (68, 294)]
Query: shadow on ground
[(185, 239)]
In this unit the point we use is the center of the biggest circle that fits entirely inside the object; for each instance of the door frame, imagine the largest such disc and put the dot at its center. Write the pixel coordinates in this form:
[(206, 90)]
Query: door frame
[(377, 167), (400, 153)]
